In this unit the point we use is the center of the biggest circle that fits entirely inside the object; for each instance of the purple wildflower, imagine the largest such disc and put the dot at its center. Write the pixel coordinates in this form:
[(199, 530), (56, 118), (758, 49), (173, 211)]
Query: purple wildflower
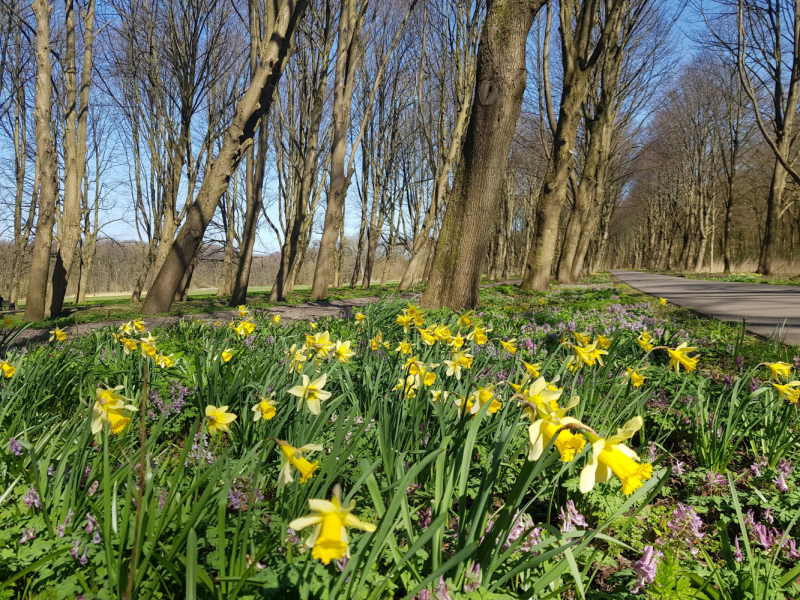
[(677, 468), (28, 535), (93, 488), (15, 447), (738, 554), (425, 518), (91, 523), (32, 499), (785, 466), (756, 467), (571, 518), (442, 593), (473, 578), (76, 548), (84, 558), (714, 480), (685, 526), (67, 521), (646, 568), (780, 483)]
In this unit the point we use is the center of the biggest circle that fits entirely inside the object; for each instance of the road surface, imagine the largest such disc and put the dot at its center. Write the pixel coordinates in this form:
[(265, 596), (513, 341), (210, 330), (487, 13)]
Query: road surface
[(768, 310)]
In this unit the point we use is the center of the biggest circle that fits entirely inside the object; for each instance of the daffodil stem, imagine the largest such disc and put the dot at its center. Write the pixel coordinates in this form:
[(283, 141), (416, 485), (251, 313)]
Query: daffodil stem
[(140, 487)]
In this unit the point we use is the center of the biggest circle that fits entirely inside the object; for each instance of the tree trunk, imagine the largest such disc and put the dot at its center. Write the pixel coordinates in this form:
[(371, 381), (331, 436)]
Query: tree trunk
[(75, 117), (349, 44), (254, 105), (769, 244), (500, 84), (48, 169)]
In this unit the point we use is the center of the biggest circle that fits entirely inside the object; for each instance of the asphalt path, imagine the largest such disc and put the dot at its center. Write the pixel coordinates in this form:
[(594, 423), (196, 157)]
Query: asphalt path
[(768, 310)]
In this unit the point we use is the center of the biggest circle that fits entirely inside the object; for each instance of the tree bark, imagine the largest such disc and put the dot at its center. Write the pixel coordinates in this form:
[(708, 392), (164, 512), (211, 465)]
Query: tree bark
[(254, 105), (500, 84), (48, 169)]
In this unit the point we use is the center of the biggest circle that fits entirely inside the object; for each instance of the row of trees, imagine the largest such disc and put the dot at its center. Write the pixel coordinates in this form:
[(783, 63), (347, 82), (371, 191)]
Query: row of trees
[(514, 137)]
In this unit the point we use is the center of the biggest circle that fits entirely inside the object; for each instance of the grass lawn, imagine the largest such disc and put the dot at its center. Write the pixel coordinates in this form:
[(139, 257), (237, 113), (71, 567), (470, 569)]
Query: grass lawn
[(583, 442)]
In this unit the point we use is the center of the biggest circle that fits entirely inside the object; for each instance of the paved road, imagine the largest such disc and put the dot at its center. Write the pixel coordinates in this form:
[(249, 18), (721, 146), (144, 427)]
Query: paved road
[(764, 307)]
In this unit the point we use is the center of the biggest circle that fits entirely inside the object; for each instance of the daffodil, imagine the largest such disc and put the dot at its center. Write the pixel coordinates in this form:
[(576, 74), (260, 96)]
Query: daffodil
[(663, 301), (330, 519), (459, 360), (312, 325), (311, 393), (610, 456), (442, 333), (532, 369), (360, 318), (320, 343), (244, 328), (57, 334), (296, 357), (427, 337), (588, 355), (8, 370), (509, 346), (376, 342), (227, 355), (554, 424), (484, 395), (243, 312), (406, 321), (342, 351), (294, 458), (465, 321), (108, 409), (456, 341), (126, 328), (780, 369), (582, 338), (218, 419), (439, 395), (403, 347), (678, 357), (128, 344), (276, 319), (148, 350), (165, 361), (636, 378), (265, 409), (478, 335), (790, 391), (603, 342), (542, 395), (542, 301), (644, 341), (138, 324)]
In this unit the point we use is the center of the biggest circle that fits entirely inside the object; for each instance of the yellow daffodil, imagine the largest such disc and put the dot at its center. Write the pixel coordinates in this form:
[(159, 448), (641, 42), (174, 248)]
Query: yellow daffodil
[(244, 328), (148, 350), (509, 346), (406, 321), (138, 325), (459, 360), (636, 379), (465, 321), (485, 395), (582, 338), (342, 351), (543, 396), (442, 333), (403, 347), (532, 369), (320, 343), (478, 335), (360, 318), (439, 395), (663, 301), (294, 458), (427, 338), (296, 357), (678, 357), (126, 328), (330, 519), (542, 301), (456, 341), (541, 431), (108, 409), (128, 344), (644, 341), (588, 355), (311, 393), (227, 355), (57, 334), (312, 325), (409, 385), (603, 342), (243, 312), (265, 409), (8, 370), (790, 391), (165, 361), (218, 419), (610, 456), (780, 369), (376, 342), (276, 319)]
